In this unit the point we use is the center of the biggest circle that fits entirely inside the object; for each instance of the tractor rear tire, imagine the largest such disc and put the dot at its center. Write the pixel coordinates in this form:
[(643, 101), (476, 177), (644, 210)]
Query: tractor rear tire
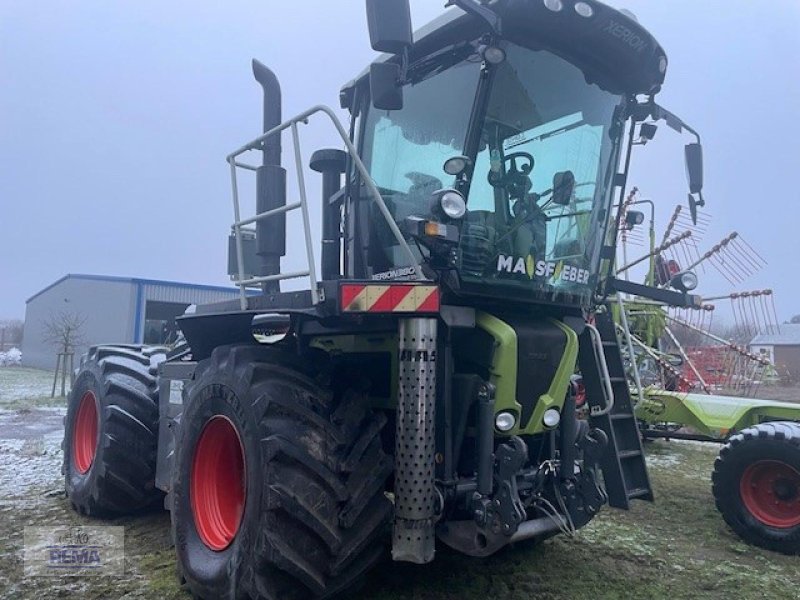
[(278, 485), (756, 484), (111, 431)]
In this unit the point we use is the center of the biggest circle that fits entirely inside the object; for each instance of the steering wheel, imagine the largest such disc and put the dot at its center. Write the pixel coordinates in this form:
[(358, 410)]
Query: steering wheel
[(516, 179), (525, 169)]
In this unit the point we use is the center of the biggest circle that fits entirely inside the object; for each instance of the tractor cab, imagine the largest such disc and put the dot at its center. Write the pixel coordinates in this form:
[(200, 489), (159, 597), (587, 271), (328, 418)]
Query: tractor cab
[(494, 140)]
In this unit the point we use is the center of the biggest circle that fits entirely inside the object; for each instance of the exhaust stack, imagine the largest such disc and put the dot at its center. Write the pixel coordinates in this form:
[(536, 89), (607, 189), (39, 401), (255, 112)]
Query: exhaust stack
[(270, 183)]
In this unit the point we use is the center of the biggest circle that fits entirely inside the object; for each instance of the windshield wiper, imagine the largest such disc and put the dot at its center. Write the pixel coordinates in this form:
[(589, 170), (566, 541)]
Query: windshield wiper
[(544, 136), (436, 63)]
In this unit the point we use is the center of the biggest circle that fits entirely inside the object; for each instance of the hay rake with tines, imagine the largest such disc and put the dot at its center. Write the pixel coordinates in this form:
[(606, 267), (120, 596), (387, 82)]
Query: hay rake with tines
[(711, 358)]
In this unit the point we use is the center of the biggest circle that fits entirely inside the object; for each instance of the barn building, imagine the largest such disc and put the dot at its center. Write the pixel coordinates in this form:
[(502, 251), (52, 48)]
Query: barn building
[(110, 310), (782, 348)]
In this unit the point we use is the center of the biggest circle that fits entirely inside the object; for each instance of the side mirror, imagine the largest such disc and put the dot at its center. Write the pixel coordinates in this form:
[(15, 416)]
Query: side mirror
[(694, 167), (384, 86), (389, 24), (563, 187), (647, 131)]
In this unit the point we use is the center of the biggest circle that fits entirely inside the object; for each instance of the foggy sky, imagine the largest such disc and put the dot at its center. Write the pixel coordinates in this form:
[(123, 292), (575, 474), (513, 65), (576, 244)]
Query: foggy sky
[(115, 118)]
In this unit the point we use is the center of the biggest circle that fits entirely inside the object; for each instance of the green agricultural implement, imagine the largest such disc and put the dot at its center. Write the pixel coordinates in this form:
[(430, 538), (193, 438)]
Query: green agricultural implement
[(702, 393), (420, 386)]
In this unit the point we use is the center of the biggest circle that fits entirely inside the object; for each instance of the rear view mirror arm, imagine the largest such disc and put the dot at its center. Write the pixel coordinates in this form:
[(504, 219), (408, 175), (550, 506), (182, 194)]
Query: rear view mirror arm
[(481, 11)]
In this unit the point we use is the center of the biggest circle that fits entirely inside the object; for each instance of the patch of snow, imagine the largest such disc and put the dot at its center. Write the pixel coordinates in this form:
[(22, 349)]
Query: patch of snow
[(11, 358), (663, 460), (30, 454)]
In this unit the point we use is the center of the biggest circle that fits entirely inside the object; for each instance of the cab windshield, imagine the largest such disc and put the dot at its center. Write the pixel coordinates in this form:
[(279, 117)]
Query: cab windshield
[(541, 177)]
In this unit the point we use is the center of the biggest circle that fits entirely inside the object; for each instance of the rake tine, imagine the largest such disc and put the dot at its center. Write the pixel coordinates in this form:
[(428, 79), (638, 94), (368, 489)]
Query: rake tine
[(740, 258), (721, 268), (743, 250), (774, 312), (753, 250), (671, 223), (733, 261)]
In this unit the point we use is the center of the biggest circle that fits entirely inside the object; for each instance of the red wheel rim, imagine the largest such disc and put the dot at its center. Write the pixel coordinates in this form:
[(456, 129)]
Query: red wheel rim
[(218, 483), (84, 433), (770, 490)]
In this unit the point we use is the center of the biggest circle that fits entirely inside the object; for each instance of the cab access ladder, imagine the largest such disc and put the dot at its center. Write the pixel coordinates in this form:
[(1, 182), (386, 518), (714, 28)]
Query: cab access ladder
[(623, 464)]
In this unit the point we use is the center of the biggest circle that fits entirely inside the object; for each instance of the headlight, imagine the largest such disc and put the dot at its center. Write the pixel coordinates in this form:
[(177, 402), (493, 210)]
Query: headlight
[(505, 421), (685, 281), (452, 204), (456, 165), (551, 417)]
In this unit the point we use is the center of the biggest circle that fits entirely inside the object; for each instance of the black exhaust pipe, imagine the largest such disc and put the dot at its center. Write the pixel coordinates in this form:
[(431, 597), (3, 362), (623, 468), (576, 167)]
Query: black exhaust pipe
[(270, 183)]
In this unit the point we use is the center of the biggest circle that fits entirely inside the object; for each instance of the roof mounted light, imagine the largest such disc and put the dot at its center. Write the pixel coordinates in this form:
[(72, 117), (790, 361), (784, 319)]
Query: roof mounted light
[(584, 9), (494, 55), (554, 5), (456, 165)]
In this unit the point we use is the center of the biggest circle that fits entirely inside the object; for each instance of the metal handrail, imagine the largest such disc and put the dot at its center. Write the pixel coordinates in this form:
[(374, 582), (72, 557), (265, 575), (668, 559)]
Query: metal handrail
[(605, 377), (239, 223), (626, 331)]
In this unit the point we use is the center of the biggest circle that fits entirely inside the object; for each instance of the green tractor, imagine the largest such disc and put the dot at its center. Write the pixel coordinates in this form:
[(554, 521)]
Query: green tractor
[(421, 386)]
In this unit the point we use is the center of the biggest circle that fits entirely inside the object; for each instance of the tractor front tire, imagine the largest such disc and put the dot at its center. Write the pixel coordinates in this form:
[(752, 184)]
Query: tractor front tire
[(756, 484), (111, 431), (278, 486)]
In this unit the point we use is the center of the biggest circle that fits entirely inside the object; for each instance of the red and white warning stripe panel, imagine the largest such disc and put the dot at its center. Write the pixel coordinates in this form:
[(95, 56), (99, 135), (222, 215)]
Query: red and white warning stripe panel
[(392, 298)]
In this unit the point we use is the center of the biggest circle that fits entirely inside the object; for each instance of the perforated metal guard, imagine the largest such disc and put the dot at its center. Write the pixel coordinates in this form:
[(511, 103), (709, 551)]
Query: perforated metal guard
[(413, 539)]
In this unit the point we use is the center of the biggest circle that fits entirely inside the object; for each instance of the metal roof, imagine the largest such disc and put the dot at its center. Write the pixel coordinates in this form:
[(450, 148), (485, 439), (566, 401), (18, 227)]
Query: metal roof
[(139, 281), (788, 334)]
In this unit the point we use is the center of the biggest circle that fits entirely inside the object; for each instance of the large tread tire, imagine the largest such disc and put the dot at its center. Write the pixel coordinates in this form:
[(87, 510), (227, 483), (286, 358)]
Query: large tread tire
[(777, 445), (121, 479), (315, 471)]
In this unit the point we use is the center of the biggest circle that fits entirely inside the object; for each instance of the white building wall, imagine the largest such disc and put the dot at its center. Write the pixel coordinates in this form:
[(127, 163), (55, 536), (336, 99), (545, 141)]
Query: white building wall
[(114, 309), (105, 305), (767, 350)]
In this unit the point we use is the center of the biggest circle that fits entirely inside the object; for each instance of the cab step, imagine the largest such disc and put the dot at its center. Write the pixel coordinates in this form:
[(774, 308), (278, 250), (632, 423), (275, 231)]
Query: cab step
[(623, 465)]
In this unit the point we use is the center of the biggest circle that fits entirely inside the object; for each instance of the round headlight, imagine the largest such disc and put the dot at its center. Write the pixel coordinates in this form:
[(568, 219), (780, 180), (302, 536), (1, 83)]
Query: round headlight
[(456, 165), (494, 55), (662, 65), (554, 5), (551, 417), (685, 281), (453, 204), (688, 280), (583, 9), (505, 421)]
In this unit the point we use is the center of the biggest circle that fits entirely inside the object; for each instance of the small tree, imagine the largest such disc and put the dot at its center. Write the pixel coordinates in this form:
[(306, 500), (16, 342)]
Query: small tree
[(63, 331), (795, 320), (10, 333)]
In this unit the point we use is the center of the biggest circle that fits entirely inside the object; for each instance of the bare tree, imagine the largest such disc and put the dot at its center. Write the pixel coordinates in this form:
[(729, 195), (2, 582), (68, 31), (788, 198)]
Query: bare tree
[(63, 331), (10, 333)]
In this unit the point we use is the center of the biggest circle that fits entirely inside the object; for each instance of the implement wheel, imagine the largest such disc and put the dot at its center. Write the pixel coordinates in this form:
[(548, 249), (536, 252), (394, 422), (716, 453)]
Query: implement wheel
[(278, 486), (757, 485), (111, 431)]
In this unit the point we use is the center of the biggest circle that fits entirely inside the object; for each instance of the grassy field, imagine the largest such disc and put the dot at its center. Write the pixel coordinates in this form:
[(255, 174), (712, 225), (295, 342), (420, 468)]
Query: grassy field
[(677, 547), (23, 387)]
